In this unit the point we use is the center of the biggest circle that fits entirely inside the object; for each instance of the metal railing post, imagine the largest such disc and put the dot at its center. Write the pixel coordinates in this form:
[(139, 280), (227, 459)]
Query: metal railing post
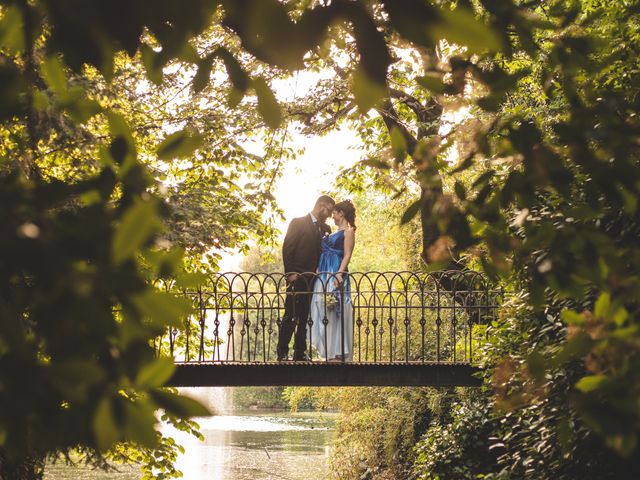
[(342, 307)]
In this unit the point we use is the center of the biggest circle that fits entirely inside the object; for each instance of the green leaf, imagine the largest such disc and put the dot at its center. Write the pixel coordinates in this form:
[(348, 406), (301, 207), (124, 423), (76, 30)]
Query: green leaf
[(398, 144), (411, 212), (78, 371), (12, 30), (630, 200), (572, 318), (626, 332), (152, 64), (237, 75), (191, 280), (179, 145), (140, 423), (461, 192), (164, 262), (155, 374), (118, 126), (267, 103), (591, 383), (76, 104), (178, 405), (53, 74), (432, 81), (74, 377), (620, 316), (234, 97), (201, 79), (461, 27), (125, 153), (138, 223), (105, 429), (602, 305), (366, 91), (162, 308), (376, 163)]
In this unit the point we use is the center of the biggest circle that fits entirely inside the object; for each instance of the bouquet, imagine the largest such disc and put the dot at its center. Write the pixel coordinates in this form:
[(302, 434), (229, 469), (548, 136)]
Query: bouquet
[(332, 299)]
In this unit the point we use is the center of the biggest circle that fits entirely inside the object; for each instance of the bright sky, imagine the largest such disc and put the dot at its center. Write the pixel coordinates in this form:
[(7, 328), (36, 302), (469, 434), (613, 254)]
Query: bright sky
[(314, 173)]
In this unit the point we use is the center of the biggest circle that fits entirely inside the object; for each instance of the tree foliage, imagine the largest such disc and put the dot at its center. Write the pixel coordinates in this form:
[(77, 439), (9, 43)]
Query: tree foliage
[(544, 196)]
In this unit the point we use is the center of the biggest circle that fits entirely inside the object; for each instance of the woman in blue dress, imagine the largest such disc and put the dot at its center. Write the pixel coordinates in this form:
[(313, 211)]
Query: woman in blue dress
[(332, 332)]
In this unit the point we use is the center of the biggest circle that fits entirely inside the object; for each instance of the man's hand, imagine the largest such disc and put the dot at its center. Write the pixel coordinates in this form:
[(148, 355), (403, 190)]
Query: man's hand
[(292, 277)]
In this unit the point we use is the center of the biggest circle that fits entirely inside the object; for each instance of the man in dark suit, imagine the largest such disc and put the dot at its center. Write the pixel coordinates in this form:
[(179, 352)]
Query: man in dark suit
[(300, 253)]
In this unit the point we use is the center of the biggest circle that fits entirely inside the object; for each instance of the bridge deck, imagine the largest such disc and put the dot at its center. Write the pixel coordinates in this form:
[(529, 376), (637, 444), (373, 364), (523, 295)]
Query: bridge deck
[(325, 374)]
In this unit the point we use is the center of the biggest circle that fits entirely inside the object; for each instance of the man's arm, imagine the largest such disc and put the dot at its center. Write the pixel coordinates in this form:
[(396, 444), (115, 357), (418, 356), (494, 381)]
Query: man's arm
[(290, 244)]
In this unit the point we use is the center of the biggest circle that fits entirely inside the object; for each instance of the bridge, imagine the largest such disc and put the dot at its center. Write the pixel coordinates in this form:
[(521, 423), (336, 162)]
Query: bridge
[(407, 329)]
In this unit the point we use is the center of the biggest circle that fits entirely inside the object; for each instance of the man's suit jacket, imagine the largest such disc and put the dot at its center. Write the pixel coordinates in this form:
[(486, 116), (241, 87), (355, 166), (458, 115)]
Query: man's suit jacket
[(301, 247)]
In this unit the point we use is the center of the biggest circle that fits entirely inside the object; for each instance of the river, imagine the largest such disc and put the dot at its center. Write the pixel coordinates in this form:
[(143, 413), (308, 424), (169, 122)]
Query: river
[(238, 445)]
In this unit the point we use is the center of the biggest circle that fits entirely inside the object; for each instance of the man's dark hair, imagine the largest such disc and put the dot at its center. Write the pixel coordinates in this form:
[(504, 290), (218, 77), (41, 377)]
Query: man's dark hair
[(325, 199)]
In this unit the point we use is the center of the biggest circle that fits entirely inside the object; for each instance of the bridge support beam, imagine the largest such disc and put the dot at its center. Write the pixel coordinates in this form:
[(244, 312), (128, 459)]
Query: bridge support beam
[(325, 374)]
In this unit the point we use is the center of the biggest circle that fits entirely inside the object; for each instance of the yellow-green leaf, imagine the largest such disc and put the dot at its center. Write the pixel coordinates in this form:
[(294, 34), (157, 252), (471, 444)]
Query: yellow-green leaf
[(140, 423), (411, 212), (201, 78), (591, 382), (54, 76), (461, 27), (152, 64), (602, 305), (179, 405), (432, 82), (398, 144), (155, 374), (12, 30), (267, 103), (239, 78), (191, 280), (179, 145), (366, 91), (105, 429), (119, 128), (572, 318), (620, 316), (162, 308), (376, 163), (138, 224)]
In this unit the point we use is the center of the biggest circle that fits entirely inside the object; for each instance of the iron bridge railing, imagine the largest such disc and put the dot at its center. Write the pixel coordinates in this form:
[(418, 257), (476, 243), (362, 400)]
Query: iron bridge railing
[(396, 317)]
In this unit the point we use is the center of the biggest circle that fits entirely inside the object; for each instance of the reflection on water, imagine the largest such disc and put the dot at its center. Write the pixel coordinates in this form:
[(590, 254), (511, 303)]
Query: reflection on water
[(252, 445), (257, 446)]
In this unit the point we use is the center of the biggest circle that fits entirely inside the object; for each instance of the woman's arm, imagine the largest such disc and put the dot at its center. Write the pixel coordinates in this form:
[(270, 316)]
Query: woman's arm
[(349, 243)]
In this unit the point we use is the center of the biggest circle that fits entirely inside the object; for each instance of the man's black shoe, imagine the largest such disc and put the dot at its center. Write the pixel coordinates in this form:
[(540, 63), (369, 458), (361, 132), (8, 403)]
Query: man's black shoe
[(301, 357)]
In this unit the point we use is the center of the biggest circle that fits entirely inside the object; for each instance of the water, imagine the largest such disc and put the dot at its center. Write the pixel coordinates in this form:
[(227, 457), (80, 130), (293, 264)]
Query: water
[(239, 445), (258, 445)]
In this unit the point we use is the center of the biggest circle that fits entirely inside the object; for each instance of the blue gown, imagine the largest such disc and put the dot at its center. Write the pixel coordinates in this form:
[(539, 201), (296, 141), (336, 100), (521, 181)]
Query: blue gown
[(327, 304)]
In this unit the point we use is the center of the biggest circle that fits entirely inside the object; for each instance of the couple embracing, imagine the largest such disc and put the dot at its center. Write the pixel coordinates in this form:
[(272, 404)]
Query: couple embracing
[(309, 246)]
